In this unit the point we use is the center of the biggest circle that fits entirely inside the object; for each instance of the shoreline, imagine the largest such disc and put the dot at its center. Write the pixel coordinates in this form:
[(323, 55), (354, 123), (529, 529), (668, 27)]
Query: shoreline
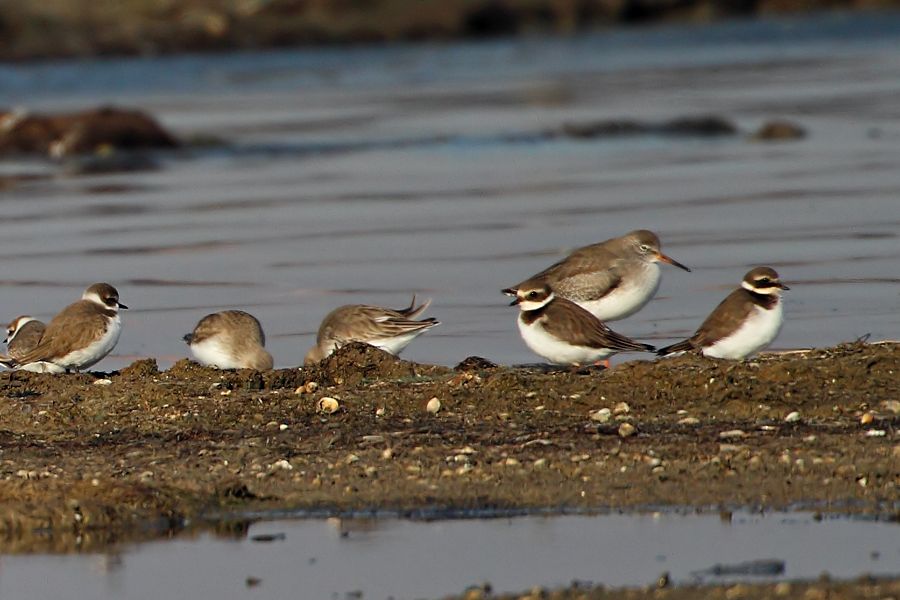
[(105, 455), (57, 30)]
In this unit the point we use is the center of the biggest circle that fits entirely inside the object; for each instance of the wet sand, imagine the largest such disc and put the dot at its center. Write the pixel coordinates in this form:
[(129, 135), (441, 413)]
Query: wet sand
[(86, 455)]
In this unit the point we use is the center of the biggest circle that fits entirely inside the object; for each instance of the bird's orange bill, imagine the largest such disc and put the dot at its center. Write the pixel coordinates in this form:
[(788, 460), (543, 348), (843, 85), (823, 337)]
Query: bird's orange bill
[(671, 261)]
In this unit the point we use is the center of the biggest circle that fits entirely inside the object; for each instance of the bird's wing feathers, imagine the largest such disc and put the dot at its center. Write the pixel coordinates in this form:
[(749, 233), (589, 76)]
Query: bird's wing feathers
[(568, 321)]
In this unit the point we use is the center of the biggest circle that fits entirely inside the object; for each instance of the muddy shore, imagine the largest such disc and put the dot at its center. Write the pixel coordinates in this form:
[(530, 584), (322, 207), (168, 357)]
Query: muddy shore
[(99, 456), (864, 587)]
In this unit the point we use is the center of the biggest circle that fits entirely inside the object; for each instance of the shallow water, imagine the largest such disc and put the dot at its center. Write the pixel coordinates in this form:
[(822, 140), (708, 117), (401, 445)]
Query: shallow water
[(416, 559), (365, 175)]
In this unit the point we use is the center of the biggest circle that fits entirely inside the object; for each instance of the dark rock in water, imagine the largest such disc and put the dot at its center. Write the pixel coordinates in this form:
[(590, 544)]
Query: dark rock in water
[(702, 126), (97, 130), (475, 363), (608, 128), (757, 568), (778, 131), (110, 162)]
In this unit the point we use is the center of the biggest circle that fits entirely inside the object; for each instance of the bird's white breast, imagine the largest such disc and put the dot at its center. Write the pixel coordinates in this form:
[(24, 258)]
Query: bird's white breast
[(635, 291), (555, 350), (214, 352), (755, 333), (95, 351)]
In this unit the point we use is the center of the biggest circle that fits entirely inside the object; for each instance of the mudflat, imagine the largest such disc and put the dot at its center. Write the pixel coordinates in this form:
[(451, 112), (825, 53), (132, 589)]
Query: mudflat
[(92, 454)]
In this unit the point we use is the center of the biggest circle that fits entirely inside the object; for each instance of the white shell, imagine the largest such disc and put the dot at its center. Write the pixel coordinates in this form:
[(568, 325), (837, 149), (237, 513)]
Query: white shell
[(327, 405), (433, 406)]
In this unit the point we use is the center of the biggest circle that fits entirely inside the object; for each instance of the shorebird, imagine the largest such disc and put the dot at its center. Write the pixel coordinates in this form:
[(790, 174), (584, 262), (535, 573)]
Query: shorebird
[(82, 334), (611, 280), (563, 332), (745, 322), (231, 339), (385, 328), (22, 334)]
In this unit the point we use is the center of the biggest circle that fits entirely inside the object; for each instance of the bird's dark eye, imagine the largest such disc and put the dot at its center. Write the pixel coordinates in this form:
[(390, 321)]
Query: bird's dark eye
[(645, 248), (532, 295), (764, 280)]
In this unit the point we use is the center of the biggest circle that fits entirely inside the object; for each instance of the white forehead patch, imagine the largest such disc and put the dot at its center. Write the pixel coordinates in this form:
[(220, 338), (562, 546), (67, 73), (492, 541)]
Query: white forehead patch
[(527, 305), (747, 285), (95, 298), (16, 325)]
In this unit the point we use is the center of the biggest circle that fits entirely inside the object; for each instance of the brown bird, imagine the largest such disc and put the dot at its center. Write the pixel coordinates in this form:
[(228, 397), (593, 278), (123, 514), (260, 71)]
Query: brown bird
[(22, 334), (385, 328), (611, 280), (563, 332), (231, 339), (82, 334), (745, 322)]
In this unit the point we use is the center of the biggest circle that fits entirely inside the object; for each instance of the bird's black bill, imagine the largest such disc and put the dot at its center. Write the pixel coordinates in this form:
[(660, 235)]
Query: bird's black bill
[(514, 302), (672, 261), (122, 306)]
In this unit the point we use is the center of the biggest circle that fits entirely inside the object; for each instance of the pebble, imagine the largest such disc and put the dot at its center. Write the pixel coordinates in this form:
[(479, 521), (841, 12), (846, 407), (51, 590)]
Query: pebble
[(379, 412), (621, 408), (627, 430), (328, 405), (433, 406), (876, 433), (867, 418), (731, 434), (792, 417), (891, 406), (103, 382), (281, 464), (601, 416), (689, 421), (539, 463), (387, 454)]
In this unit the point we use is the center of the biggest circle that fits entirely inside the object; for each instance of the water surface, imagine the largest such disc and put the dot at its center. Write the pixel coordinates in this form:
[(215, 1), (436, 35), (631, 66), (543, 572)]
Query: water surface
[(401, 559), (368, 174)]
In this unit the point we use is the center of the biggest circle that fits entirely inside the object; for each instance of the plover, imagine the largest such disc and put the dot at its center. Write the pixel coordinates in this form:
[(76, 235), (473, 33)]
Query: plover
[(745, 322), (231, 339), (563, 332), (22, 334), (83, 333), (611, 280), (389, 329)]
